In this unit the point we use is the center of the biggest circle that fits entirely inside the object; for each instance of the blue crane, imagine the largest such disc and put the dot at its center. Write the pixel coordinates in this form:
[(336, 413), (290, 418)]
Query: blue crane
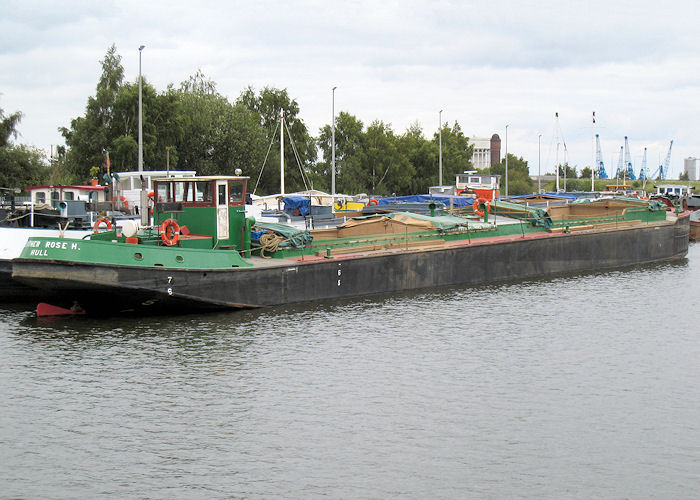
[(628, 162), (662, 171), (600, 167), (643, 171), (619, 172)]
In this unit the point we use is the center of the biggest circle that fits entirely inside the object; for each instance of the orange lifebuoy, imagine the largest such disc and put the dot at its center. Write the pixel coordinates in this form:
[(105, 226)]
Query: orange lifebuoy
[(372, 202), (477, 203), (126, 203), (169, 232), (100, 220)]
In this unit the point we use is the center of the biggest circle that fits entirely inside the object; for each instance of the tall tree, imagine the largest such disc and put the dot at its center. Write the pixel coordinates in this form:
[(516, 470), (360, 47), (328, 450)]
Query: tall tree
[(8, 127), (519, 180), (349, 155), (388, 170), (456, 152), (20, 166), (90, 136), (423, 155), (299, 149), (217, 136)]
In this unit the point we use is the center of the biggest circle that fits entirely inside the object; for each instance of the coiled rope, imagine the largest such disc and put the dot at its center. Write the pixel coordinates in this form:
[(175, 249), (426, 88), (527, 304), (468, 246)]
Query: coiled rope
[(269, 242)]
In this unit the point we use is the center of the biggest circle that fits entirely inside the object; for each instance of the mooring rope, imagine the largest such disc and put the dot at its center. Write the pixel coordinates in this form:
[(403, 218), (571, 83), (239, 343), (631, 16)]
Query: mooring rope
[(269, 242)]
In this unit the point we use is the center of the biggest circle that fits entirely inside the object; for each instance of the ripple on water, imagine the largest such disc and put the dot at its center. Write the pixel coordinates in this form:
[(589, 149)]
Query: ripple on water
[(578, 386)]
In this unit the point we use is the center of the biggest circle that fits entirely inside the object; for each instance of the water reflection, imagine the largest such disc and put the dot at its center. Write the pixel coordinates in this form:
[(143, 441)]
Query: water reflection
[(568, 387)]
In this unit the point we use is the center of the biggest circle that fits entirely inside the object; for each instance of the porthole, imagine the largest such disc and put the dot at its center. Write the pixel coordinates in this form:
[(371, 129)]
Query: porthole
[(179, 258), (138, 256)]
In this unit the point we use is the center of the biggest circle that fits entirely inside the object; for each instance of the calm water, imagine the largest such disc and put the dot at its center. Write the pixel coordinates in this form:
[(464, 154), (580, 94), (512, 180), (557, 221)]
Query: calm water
[(585, 386)]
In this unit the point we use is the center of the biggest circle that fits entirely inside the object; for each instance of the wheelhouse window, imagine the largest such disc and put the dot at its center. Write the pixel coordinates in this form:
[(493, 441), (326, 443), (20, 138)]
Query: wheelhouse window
[(40, 197), (183, 191), (164, 195), (236, 192), (69, 196), (202, 192), (222, 195)]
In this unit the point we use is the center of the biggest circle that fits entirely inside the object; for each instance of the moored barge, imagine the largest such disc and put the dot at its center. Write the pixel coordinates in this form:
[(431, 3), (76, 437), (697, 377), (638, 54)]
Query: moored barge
[(204, 253)]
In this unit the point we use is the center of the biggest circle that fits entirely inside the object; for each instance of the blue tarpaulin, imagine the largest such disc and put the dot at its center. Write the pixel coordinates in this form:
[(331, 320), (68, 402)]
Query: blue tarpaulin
[(551, 196), (457, 201), (297, 205)]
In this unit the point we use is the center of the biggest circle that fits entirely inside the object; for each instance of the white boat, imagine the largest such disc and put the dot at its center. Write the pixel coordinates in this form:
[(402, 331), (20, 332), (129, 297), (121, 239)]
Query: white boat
[(64, 211)]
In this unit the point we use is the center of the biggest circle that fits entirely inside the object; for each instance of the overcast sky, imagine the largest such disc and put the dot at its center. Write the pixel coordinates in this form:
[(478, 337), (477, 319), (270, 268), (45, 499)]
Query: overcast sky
[(486, 64)]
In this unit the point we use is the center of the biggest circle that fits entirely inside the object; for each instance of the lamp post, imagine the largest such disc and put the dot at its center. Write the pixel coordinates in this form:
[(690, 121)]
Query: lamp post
[(539, 163), (333, 145), (440, 148), (142, 203), (506, 161)]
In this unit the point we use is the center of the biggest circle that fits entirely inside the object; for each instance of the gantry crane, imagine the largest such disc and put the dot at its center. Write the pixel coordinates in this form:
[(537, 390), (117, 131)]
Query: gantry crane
[(663, 169), (643, 171), (628, 162), (620, 171), (600, 167)]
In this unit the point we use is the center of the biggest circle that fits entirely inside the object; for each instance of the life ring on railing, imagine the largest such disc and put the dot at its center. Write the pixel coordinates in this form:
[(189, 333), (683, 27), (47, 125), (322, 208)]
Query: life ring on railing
[(169, 232), (100, 220), (124, 201), (477, 203), (372, 202)]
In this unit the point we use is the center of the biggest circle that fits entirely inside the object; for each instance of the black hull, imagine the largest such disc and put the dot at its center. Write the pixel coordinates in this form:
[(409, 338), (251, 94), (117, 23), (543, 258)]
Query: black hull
[(13, 291), (284, 281)]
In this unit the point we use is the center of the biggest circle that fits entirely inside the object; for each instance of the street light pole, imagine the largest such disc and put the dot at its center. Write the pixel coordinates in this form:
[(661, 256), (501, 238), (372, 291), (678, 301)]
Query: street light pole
[(440, 147), (506, 161), (333, 146), (142, 204)]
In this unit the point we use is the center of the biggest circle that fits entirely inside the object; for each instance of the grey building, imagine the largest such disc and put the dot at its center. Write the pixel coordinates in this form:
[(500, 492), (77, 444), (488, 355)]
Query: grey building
[(690, 166)]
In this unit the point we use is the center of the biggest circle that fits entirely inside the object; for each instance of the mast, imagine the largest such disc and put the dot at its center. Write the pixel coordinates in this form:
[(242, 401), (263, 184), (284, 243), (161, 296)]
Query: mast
[(282, 152), (560, 140), (593, 169), (556, 128)]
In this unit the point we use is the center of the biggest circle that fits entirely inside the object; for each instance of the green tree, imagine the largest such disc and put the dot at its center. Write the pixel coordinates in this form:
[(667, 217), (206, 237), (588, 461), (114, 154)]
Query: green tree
[(586, 173), (91, 135), (349, 149), (566, 171), (8, 127), (519, 180), (299, 149), (110, 125), (456, 153), (387, 170), (217, 137), (20, 165), (423, 155)]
